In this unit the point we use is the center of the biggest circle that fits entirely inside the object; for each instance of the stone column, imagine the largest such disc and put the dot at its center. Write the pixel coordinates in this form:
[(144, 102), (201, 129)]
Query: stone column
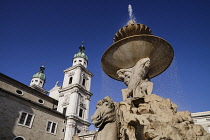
[(87, 108), (77, 76), (70, 130), (73, 103)]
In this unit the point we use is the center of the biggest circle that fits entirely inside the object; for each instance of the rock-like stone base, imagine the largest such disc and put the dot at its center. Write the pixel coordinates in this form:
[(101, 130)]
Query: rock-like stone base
[(155, 118)]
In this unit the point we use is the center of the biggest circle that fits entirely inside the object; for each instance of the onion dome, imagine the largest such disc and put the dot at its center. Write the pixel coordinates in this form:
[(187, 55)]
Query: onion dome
[(81, 53), (40, 74)]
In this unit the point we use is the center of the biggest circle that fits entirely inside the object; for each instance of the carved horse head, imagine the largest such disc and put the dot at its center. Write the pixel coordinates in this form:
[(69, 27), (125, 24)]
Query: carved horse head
[(105, 112)]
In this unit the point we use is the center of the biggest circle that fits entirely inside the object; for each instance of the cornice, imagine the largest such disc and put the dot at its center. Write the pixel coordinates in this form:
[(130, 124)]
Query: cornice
[(81, 67), (78, 119), (75, 88)]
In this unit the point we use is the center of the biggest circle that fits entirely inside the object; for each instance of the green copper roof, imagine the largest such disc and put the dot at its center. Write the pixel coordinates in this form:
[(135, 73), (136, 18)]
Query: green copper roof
[(81, 53), (40, 74)]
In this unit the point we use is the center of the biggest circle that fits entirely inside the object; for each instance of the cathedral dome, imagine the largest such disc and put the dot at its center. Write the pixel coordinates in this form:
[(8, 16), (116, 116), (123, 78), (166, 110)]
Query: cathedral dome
[(81, 53), (40, 74)]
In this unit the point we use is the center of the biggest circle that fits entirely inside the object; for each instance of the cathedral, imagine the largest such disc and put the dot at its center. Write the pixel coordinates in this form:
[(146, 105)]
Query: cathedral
[(29, 113)]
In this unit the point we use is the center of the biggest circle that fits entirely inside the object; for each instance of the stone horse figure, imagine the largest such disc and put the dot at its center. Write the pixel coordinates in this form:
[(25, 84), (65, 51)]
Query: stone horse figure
[(106, 119)]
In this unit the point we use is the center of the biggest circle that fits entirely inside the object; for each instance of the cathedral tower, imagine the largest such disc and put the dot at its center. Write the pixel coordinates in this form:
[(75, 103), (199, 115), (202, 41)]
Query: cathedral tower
[(74, 95), (38, 80)]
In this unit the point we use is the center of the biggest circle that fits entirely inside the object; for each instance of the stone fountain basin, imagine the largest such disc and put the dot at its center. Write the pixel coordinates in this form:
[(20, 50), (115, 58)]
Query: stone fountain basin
[(127, 51)]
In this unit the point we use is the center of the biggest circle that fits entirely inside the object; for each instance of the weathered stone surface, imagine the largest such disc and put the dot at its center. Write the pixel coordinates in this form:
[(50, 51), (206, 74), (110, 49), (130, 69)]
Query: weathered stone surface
[(134, 42), (154, 118), (136, 80), (76, 137), (105, 118)]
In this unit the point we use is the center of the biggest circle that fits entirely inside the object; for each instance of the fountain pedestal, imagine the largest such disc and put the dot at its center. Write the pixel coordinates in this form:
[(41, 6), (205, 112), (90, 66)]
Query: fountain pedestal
[(135, 57)]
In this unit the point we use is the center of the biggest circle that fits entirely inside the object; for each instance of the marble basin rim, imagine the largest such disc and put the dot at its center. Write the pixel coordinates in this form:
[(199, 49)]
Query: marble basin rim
[(127, 51)]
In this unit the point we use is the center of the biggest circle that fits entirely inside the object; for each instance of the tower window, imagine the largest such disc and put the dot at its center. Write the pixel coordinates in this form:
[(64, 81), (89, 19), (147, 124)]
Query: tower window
[(19, 138), (25, 119), (80, 112), (78, 131), (83, 82), (51, 127), (64, 111), (36, 80), (70, 80), (80, 60)]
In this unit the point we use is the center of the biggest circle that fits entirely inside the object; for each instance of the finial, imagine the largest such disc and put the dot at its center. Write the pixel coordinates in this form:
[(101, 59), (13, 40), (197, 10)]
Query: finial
[(43, 64), (42, 68), (82, 48)]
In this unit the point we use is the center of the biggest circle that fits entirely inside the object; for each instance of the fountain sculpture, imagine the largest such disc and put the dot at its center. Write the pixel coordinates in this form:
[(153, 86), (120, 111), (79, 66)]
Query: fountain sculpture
[(135, 57)]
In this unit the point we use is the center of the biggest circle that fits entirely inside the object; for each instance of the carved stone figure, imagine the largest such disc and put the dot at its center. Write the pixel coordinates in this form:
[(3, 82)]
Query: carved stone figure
[(148, 118), (136, 80), (155, 118), (105, 118), (76, 137)]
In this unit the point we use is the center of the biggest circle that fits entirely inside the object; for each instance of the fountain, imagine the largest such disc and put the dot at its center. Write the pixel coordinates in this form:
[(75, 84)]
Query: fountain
[(134, 58)]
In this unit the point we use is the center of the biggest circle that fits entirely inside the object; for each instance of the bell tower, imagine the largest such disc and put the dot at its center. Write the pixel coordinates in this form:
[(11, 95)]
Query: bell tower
[(74, 95), (38, 80)]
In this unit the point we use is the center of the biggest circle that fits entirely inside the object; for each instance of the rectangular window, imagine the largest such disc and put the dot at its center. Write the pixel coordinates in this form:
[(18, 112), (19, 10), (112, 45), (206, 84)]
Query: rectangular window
[(80, 112), (83, 82), (64, 111), (25, 119), (51, 127)]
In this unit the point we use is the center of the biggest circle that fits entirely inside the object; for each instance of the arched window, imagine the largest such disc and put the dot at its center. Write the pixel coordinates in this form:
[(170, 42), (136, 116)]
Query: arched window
[(70, 80), (19, 138)]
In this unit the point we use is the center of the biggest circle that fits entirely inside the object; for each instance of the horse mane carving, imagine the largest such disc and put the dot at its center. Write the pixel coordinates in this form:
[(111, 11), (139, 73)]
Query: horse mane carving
[(106, 118)]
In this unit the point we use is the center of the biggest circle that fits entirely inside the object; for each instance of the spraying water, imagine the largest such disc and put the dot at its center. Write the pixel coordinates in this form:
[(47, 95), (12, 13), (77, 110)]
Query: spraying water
[(131, 15)]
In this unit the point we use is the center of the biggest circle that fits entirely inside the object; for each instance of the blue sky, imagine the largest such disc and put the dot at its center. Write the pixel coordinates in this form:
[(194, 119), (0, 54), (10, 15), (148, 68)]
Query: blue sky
[(51, 31)]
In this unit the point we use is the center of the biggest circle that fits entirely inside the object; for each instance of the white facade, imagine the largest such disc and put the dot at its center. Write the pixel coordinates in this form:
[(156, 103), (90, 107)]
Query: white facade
[(37, 81), (54, 92), (74, 95), (203, 119)]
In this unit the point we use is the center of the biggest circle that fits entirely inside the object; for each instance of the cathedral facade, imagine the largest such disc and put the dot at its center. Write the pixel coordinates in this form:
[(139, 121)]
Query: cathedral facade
[(28, 113)]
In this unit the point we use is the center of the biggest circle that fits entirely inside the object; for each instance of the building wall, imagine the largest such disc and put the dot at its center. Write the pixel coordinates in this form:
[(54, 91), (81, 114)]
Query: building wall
[(16, 98), (203, 119), (27, 92), (10, 110)]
